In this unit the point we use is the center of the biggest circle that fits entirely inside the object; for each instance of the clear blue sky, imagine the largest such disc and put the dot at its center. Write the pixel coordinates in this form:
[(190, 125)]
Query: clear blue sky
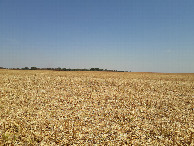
[(136, 35)]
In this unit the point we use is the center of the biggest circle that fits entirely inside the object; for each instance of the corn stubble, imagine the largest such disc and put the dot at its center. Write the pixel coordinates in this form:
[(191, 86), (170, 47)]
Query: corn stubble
[(95, 108)]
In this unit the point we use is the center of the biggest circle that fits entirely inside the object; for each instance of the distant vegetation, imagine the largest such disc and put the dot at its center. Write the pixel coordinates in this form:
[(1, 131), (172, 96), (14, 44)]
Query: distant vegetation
[(63, 69), (2, 68)]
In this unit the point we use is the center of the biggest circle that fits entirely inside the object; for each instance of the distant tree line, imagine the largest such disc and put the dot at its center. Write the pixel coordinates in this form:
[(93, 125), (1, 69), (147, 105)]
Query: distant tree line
[(63, 69), (2, 68)]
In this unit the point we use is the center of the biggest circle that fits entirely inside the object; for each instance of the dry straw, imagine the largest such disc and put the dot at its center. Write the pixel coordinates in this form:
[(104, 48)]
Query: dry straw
[(95, 108)]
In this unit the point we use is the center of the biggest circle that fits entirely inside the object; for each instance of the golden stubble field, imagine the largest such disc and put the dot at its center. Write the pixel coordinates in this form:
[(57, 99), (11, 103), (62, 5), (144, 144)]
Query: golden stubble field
[(95, 108)]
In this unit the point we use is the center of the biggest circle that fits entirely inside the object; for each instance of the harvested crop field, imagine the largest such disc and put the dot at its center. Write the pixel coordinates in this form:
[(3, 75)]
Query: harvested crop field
[(95, 108)]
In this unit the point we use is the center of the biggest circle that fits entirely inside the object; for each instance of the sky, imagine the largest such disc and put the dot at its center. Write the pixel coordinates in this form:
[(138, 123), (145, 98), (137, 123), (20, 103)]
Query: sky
[(130, 35)]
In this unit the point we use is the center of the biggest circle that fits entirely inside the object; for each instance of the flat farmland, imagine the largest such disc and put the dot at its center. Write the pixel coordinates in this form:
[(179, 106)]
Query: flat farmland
[(95, 108)]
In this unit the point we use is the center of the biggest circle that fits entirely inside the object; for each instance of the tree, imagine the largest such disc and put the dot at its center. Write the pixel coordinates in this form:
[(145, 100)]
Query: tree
[(25, 68), (58, 69), (34, 68), (94, 69)]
